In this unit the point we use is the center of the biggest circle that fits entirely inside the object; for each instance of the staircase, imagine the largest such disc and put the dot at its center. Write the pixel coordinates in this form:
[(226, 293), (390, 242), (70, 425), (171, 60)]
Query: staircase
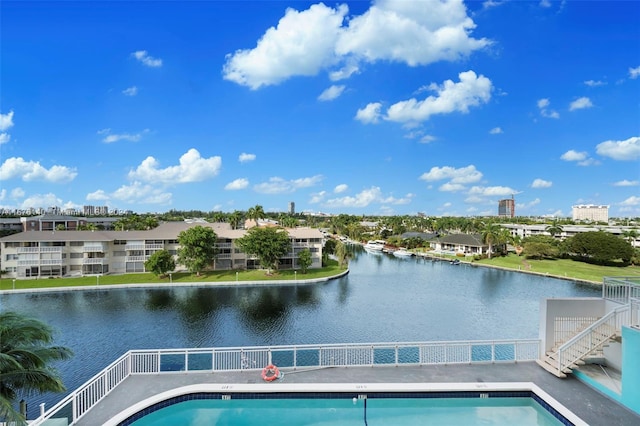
[(586, 343)]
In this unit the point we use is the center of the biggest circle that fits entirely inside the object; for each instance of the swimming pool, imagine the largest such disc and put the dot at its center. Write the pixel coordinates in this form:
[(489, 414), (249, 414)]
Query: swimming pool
[(366, 407)]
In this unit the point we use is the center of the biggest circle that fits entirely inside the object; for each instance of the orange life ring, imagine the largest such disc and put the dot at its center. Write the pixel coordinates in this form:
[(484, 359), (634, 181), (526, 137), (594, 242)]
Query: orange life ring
[(270, 373)]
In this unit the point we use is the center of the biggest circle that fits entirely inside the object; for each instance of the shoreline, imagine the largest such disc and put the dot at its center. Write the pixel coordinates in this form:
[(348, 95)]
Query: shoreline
[(106, 287)]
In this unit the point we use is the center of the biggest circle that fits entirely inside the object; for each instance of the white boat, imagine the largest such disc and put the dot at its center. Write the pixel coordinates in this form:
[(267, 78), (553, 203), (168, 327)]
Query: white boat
[(402, 253), (374, 245)]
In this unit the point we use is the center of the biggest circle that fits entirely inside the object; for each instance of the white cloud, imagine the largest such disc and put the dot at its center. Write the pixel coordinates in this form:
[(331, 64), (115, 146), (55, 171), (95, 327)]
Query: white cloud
[(365, 198), (320, 38), (237, 184), (140, 193), (542, 106), (573, 155), (17, 193), (631, 201), (143, 56), (17, 167), (492, 191), (541, 183), (39, 200), (490, 3), (110, 138), (6, 121), (626, 150), (340, 188), (4, 138), (245, 158), (451, 187), (634, 73), (626, 182), (595, 83), (317, 197), (98, 195), (370, 113), (191, 168), (277, 185), (580, 103), (331, 93), (545, 3), (303, 43), (462, 175), (496, 131), (471, 90), (130, 91), (427, 139)]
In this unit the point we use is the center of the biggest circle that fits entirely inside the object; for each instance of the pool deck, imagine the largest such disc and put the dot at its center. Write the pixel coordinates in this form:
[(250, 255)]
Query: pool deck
[(584, 401)]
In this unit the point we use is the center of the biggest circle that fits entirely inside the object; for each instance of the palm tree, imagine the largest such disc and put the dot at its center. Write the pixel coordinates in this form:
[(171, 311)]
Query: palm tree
[(255, 213), (631, 235), (235, 219), (25, 358), (491, 234), (554, 229)]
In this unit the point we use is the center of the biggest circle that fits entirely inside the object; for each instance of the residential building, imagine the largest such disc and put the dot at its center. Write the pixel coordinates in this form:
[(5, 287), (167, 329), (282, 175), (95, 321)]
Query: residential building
[(292, 208), (507, 207), (53, 253), (524, 231), (591, 212), (463, 244)]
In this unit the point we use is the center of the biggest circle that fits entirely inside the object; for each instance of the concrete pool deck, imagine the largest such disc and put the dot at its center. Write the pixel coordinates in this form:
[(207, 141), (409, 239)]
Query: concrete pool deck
[(587, 403)]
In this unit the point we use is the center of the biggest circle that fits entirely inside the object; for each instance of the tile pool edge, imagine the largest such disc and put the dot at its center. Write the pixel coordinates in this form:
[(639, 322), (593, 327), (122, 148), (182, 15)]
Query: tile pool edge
[(348, 387)]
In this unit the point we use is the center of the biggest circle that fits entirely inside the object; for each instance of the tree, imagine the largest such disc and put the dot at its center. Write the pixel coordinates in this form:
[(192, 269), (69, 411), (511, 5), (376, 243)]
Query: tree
[(160, 262), (600, 247), (25, 362), (197, 248), (235, 219), (341, 253), (304, 260), (255, 213), (491, 235), (630, 235), (554, 229), (268, 244)]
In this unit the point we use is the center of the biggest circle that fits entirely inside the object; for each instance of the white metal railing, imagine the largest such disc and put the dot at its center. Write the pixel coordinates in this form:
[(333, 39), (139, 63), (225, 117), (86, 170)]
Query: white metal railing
[(224, 245), (566, 327), (154, 246), (136, 258), (32, 262), (93, 248), (593, 337), (130, 247), (621, 289), (50, 261), (93, 260), (136, 362), (50, 249), (22, 250)]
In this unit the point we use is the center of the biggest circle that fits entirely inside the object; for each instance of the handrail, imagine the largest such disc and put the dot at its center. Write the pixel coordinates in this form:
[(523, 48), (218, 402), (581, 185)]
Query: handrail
[(199, 360), (583, 343)]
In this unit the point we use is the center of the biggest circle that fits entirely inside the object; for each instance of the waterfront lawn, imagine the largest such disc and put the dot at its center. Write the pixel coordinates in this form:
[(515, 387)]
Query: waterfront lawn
[(178, 277), (564, 268)]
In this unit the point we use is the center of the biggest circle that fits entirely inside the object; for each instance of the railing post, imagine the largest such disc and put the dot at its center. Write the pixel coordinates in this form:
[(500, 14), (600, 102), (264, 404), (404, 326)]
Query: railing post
[(186, 361)]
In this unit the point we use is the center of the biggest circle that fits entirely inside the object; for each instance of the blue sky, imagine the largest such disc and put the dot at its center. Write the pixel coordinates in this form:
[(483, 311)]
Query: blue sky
[(388, 107)]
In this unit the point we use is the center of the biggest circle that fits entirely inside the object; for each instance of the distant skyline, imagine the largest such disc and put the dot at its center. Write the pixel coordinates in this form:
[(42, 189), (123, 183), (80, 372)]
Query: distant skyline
[(381, 108)]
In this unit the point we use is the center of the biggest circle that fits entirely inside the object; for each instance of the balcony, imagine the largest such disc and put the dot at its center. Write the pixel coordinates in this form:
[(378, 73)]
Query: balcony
[(93, 261), (136, 258), (93, 248)]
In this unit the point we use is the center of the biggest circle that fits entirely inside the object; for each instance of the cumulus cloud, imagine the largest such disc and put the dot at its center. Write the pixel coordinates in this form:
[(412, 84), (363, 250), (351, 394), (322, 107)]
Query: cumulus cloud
[(245, 158), (98, 195), (130, 91), (28, 171), (141, 193), (544, 111), (191, 168), (626, 150), (463, 175), (237, 184), (317, 197), (496, 131), (6, 121), (580, 103), (541, 183), (144, 57), (340, 188), (626, 182), (365, 198), (17, 193), (4, 138), (471, 90), (331, 93), (634, 72), (38, 200), (320, 38), (491, 191), (582, 158), (277, 185), (370, 113), (451, 187), (631, 201)]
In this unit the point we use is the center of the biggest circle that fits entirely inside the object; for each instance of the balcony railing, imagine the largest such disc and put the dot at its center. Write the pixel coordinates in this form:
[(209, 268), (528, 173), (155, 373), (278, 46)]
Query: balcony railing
[(93, 261), (138, 362), (93, 248), (621, 289), (136, 258), (26, 250)]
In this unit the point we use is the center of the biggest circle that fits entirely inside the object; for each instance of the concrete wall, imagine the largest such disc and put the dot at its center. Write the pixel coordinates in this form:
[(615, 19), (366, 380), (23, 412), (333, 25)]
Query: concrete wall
[(578, 307), (631, 368)]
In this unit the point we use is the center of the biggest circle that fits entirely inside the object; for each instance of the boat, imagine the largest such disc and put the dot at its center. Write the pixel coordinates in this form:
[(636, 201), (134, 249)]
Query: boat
[(374, 245), (455, 262), (402, 253)]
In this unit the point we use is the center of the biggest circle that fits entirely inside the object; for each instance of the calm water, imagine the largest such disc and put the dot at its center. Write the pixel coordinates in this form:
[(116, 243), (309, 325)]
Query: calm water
[(382, 299)]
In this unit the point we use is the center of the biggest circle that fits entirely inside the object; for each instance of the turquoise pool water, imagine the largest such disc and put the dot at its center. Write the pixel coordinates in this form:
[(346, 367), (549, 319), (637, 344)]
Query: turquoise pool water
[(521, 411)]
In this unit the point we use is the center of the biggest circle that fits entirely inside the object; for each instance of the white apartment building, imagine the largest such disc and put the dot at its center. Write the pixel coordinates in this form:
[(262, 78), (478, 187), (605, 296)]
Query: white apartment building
[(591, 212), (524, 231), (41, 254)]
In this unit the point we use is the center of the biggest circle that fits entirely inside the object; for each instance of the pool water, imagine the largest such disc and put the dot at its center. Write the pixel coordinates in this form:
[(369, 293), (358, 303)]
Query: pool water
[(523, 411)]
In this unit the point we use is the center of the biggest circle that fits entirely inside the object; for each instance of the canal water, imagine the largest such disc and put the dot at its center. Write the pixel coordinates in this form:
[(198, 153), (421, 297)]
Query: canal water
[(382, 299)]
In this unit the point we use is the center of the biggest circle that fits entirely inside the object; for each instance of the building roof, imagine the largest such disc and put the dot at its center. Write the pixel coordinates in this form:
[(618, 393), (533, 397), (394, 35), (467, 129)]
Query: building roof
[(474, 240)]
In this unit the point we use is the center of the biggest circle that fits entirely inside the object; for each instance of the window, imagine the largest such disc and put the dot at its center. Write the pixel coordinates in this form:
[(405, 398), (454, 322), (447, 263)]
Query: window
[(76, 243)]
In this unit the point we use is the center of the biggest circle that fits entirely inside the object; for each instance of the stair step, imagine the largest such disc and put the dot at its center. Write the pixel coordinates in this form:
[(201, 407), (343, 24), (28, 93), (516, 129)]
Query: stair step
[(551, 369)]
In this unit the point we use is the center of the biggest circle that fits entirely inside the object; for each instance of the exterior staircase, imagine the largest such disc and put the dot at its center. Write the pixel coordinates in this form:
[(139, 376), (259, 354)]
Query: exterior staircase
[(586, 343)]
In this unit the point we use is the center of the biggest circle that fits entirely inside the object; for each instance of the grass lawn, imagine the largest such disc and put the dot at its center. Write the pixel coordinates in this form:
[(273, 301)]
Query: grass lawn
[(148, 278), (562, 267)]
